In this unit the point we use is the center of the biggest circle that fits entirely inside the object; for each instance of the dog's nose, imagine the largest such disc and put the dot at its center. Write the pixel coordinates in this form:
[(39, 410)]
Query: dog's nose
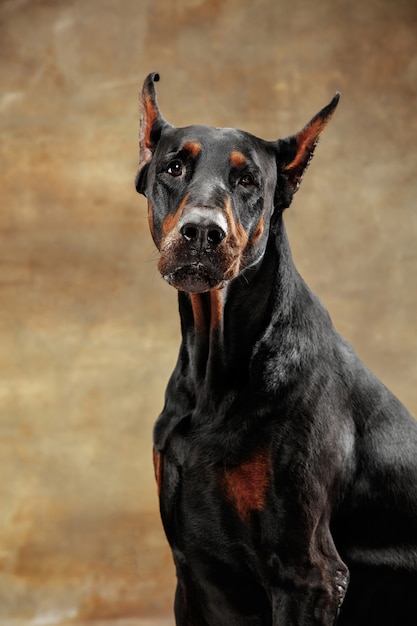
[(201, 236), (203, 228)]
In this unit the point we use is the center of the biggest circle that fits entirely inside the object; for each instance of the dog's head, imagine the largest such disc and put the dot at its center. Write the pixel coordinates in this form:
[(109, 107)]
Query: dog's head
[(213, 192)]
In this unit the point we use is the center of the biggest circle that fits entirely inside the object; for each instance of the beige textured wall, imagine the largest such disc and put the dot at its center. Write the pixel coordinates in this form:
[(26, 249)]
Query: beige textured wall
[(89, 331)]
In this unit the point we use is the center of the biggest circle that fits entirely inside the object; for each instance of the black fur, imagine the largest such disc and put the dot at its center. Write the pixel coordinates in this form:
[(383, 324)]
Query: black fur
[(287, 471)]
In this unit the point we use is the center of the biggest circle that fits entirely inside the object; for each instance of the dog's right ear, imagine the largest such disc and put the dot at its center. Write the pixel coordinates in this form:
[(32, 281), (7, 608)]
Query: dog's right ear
[(296, 151), (151, 126), (300, 147)]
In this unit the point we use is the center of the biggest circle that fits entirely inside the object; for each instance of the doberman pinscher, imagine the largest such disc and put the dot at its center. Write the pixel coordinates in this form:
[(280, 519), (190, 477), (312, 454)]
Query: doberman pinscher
[(287, 472)]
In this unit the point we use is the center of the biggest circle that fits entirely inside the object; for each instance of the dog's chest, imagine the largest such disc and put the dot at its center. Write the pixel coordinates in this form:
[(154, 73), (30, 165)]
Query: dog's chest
[(204, 504)]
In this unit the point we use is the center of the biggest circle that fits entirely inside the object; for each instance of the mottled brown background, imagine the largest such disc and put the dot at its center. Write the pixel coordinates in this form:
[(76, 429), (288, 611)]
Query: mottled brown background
[(89, 331)]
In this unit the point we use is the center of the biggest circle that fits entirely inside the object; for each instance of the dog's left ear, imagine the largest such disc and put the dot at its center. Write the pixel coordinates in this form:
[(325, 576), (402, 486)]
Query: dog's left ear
[(151, 125), (297, 150)]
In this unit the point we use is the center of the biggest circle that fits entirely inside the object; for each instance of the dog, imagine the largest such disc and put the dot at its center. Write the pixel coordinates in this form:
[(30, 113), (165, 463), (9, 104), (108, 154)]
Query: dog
[(286, 471)]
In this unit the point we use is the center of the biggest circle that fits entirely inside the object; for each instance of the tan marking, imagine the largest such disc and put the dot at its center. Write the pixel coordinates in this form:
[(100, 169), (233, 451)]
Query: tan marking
[(170, 223), (237, 241), (233, 269), (150, 218), (200, 321), (216, 309), (242, 235), (258, 231), (193, 148), (151, 115), (235, 229), (237, 159), (157, 464), (247, 484), (306, 140)]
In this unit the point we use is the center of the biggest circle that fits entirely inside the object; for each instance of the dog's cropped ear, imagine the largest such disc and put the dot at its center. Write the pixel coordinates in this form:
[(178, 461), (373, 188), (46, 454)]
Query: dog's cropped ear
[(151, 125), (297, 150)]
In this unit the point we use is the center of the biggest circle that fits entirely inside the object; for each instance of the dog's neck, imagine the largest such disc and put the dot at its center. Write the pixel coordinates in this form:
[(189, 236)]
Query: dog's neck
[(221, 328), (225, 355)]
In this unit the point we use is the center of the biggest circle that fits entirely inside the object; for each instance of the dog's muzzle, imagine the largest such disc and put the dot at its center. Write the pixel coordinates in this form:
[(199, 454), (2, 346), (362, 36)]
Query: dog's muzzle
[(198, 260)]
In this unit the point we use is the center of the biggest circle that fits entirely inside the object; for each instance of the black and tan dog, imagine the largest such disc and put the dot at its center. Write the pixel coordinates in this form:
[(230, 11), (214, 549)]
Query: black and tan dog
[(287, 472)]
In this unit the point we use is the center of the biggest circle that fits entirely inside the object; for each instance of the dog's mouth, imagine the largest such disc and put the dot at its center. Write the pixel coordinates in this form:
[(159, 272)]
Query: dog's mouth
[(195, 278)]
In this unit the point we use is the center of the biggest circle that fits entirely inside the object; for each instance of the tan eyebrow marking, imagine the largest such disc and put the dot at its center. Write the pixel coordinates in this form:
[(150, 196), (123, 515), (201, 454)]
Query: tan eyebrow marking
[(193, 148), (237, 159)]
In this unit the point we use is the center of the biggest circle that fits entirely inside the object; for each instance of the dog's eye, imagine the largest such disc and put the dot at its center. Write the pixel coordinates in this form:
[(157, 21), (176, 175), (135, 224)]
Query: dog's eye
[(247, 180), (175, 168)]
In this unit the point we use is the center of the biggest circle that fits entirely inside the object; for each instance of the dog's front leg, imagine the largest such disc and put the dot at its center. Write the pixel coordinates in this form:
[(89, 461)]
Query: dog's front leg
[(309, 585)]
